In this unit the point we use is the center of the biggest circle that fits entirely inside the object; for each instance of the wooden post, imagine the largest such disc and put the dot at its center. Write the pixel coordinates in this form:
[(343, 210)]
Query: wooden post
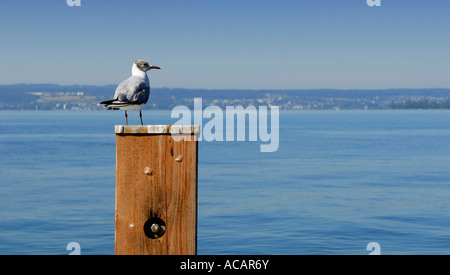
[(156, 190)]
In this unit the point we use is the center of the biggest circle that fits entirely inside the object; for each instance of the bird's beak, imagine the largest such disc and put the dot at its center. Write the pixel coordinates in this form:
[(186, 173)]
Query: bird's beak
[(155, 67)]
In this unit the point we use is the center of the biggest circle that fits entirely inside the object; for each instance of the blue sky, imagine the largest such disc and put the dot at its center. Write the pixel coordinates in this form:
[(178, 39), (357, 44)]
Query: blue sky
[(284, 44)]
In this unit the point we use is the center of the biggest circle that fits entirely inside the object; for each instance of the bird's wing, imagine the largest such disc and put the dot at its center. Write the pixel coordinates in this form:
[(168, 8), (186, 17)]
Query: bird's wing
[(133, 90)]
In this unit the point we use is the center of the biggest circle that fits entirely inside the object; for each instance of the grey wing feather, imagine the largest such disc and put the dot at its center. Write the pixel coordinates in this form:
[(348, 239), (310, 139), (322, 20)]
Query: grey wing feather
[(133, 90)]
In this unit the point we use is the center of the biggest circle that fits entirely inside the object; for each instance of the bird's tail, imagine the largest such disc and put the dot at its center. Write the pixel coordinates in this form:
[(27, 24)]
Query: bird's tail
[(116, 104), (108, 102)]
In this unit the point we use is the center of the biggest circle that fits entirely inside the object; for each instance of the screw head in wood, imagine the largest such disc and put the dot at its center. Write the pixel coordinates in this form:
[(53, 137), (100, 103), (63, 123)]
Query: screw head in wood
[(148, 171), (179, 158), (154, 228)]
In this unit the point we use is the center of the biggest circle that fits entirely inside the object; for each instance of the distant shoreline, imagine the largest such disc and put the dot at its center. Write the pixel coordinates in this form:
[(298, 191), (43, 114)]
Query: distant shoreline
[(87, 97)]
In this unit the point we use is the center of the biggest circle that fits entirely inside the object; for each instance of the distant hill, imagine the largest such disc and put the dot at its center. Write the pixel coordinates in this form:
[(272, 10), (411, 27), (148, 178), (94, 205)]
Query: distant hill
[(85, 97)]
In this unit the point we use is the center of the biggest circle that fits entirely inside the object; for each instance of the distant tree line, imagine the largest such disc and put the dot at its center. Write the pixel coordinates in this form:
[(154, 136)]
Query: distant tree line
[(422, 104)]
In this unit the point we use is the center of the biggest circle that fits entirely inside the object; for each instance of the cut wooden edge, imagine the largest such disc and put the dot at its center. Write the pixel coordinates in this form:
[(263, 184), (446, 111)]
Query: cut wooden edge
[(157, 130)]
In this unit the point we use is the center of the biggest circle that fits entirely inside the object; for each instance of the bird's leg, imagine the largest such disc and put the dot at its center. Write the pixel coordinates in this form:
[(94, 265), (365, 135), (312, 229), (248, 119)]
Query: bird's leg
[(140, 115), (126, 117)]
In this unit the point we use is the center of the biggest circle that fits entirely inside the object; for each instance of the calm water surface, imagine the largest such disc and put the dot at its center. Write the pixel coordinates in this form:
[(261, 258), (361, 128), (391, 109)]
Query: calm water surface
[(338, 181)]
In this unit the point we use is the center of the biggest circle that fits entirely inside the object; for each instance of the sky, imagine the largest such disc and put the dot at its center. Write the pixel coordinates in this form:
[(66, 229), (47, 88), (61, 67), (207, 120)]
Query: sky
[(217, 44)]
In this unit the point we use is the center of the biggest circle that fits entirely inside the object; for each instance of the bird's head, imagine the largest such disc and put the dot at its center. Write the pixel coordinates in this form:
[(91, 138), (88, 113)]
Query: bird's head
[(144, 66)]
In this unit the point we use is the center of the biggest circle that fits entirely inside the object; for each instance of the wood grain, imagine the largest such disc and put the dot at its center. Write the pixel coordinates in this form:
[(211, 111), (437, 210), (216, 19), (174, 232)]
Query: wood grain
[(152, 181)]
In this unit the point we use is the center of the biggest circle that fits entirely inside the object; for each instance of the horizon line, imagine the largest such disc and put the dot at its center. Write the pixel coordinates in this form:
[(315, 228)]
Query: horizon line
[(237, 89)]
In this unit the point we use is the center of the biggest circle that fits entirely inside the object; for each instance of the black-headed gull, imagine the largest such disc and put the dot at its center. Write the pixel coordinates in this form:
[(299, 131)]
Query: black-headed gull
[(134, 92)]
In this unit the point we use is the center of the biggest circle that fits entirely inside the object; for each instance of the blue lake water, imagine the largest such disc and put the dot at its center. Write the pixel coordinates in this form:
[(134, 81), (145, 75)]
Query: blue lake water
[(339, 181)]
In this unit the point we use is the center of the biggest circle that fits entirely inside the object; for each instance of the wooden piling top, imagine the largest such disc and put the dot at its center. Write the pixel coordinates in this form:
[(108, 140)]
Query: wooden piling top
[(157, 129)]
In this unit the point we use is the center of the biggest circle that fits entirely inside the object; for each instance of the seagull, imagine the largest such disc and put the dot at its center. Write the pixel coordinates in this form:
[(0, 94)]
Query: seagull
[(133, 93)]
